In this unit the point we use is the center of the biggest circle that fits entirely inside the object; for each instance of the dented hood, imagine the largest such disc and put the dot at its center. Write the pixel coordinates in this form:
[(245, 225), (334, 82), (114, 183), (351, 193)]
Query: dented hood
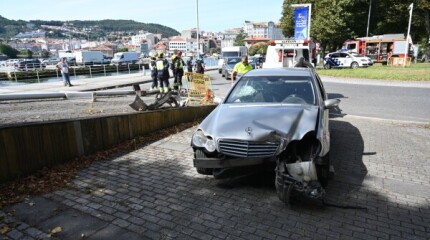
[(260, 122)]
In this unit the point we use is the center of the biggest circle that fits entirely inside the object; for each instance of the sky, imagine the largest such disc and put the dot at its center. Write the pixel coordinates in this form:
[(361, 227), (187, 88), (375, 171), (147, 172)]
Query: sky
[(214, 15)]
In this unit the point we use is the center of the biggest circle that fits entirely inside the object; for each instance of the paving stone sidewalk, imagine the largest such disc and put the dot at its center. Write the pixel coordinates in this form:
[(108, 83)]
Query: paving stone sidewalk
[(155, 193)]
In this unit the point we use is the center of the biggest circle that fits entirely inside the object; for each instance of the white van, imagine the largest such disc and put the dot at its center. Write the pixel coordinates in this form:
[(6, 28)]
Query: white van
[(125, 57), (226, 52)]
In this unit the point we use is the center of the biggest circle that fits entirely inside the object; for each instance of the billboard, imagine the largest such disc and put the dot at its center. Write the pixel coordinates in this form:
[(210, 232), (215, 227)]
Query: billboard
[(301, 23)]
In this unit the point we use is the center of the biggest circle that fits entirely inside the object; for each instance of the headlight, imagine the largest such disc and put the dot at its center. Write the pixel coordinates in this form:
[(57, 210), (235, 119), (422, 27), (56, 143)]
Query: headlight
[(200, 140)]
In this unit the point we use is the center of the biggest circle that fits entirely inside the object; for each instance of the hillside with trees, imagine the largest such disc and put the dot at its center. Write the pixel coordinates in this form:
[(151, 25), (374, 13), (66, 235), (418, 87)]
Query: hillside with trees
[(101, 28)]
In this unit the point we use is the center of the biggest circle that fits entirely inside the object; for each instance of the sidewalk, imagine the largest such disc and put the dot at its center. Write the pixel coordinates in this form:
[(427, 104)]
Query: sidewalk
[(87, 84), (154, 192)]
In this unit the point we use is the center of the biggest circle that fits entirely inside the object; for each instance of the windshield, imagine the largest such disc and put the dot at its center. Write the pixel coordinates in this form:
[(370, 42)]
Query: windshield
[(230, 54), (117, 56), (273, 89), (233, 61)]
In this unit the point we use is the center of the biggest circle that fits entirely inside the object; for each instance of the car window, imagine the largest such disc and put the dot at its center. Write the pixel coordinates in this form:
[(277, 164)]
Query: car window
[(233, 60), (334, 55), (321, 87), (343, 55), (273, 89)]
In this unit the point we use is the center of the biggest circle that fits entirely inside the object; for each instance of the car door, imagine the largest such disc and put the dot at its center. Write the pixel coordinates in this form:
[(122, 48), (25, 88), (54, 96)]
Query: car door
[(323, 123), (347, 59), (343, 60)]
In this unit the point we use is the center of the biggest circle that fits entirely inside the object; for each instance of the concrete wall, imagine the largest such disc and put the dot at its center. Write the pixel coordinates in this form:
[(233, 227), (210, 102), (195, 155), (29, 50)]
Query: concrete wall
[(24, 149)]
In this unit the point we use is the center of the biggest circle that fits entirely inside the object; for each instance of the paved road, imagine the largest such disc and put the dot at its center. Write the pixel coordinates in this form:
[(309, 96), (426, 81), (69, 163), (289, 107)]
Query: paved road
[(155, 193)]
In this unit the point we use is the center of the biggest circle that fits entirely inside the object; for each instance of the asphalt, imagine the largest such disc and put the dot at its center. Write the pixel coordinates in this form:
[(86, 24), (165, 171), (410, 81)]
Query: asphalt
[(154, 192)]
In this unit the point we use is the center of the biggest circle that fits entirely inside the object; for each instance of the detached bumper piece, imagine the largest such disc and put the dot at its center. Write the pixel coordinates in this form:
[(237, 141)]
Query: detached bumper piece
[(160, 99)]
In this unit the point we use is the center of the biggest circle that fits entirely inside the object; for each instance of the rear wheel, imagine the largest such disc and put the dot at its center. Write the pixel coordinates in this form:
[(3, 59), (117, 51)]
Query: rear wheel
[(220, 71), (327, 66), (354, 65), (205, 171), (226, 75)]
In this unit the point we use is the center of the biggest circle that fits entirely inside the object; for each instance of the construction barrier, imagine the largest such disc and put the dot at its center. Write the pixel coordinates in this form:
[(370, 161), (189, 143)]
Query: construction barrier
[(398, 61), (199, 89)]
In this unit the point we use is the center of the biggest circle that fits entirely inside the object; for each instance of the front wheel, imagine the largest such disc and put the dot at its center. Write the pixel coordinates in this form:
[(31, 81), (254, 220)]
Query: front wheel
[(205, 171), (354, 65), (283, 189), (220, 71)]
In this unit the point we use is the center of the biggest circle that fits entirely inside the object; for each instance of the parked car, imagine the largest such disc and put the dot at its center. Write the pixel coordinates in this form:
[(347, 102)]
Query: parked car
[(29, 64), (346, 60), (274, 117), (11, 62), (227, 67), (51, 61)]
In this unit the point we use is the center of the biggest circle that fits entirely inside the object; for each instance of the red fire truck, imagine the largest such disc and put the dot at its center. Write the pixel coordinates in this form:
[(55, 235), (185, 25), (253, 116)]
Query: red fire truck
[(379, 48)]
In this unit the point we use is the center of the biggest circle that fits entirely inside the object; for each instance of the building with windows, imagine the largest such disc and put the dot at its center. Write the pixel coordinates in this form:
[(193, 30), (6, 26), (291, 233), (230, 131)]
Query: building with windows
[(268, 30), (178, 43), (229, 37), (146, 37)]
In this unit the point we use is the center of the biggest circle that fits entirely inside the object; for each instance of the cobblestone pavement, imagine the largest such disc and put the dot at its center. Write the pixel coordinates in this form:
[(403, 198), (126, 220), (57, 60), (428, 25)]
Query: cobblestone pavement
[(155, 193)]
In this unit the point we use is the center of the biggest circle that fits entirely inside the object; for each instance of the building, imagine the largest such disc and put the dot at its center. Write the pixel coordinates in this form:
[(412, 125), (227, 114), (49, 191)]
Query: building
[(268, 30), (191, 33), (229, 37), (178, 43), (33, 34), (146, 37)]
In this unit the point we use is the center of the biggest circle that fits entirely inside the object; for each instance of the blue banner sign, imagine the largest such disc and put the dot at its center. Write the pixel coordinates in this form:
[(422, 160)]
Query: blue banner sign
[(301, 23)]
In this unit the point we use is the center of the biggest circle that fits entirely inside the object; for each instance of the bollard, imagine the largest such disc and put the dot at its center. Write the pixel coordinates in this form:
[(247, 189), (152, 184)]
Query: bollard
[(91, 74), (104, 69), (14, 73), (128, 65), (117, 71), (74, 72), (37, 73)]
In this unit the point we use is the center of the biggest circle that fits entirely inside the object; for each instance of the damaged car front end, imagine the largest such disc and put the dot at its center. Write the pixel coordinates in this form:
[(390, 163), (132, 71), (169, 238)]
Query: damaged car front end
[(275, 117)]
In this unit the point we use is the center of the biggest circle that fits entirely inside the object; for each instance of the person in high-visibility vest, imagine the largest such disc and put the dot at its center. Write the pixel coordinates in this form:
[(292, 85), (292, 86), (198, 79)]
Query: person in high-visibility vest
[(153, 68), (162, 66), (178, 66), (241, 68)]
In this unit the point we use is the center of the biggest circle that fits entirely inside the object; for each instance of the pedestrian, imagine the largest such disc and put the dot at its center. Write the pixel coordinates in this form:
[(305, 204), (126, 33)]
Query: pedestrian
[(179, 70), (153, 67), (172, 66), (162, 66), (190, 64), (64, 68), (200, 66), (241, 68)]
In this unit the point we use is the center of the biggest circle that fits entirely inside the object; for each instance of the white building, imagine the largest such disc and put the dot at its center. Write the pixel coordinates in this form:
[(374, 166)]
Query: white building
[(268, 30), (229, 37), (143, 37), (178, 43)]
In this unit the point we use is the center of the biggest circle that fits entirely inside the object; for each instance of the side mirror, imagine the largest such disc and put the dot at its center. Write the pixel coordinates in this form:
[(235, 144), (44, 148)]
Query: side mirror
[(331, 103)]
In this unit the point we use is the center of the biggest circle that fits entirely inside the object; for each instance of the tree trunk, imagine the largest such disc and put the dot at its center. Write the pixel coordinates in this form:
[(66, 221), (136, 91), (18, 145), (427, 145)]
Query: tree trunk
[(427, 24)]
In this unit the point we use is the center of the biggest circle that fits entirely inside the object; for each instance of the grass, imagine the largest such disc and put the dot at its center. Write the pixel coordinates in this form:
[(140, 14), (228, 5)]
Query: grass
[(415, 72)]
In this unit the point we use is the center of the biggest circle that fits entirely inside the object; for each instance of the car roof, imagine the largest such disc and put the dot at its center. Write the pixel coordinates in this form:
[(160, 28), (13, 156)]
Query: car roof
[(280, 72)]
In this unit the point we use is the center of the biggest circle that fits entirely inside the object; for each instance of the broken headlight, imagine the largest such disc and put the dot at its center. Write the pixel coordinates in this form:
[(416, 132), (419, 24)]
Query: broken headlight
[(201, 140)]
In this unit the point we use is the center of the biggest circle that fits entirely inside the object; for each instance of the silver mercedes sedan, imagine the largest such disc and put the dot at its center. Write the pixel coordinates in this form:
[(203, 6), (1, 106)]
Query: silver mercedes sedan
[(275, 117)]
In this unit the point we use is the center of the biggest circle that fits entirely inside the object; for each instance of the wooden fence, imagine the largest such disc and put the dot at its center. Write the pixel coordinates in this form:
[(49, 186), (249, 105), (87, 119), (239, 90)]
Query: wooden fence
[(25, 149)]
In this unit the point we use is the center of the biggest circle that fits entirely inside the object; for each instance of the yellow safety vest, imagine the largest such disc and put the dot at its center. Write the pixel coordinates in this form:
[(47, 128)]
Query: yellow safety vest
[(160, 64), (241, 68)]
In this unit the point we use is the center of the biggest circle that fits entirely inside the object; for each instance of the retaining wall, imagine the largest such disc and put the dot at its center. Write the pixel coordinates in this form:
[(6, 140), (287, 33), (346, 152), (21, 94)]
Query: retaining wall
[(25, 149)]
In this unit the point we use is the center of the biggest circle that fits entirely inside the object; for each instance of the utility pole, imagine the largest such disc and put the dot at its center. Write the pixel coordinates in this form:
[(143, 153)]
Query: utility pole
[(368, 18), (411, 7), (198, 32)]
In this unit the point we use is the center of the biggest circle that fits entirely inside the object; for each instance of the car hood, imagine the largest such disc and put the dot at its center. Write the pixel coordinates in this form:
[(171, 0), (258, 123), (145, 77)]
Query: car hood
[(260, 122)]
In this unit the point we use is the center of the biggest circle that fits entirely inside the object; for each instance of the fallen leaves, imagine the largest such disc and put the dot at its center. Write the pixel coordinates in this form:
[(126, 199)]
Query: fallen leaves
[(4, 229), (57, 177)]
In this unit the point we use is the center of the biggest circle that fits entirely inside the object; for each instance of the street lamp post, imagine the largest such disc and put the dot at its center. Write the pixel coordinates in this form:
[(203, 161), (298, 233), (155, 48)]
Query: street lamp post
[(368, 18), (198, 33)]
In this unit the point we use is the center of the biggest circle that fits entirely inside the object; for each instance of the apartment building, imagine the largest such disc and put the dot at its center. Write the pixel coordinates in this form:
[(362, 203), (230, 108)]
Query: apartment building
[(268, 30)]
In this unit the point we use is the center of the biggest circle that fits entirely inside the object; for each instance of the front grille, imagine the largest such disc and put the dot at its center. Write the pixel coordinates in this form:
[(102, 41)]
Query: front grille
[(237, 148)]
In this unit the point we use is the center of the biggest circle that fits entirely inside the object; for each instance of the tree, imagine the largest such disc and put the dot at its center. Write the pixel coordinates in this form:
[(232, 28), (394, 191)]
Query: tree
[(239, 39), (122, 50), (8, 51), (258, 48), (45, 54), (29, 53)]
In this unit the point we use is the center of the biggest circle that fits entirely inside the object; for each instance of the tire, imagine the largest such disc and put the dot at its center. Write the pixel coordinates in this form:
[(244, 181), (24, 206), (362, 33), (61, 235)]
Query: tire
[(226, 76), (327, 66), (354, 65), (323, 171), (283, 190), (205, 171), (222, 74), (220, 71)]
